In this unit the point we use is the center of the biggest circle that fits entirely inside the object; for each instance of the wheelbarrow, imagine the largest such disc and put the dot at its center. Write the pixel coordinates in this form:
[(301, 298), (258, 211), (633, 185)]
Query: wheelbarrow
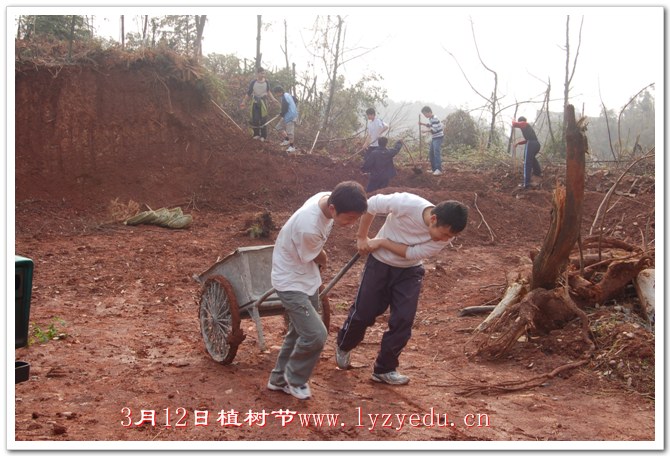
[(239, 286)]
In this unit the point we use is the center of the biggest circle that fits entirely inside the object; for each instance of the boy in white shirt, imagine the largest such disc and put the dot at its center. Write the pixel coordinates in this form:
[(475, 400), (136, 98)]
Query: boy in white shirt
[(376, 128), (297, 255), (414, 229)]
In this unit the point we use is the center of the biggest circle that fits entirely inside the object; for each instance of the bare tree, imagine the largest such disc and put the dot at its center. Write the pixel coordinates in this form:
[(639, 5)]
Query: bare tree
[(607, 123), (333, 75), (123, 33), (199, 28), (328, 47), (621, 113), (569, 74), (491, 101), (285, 47), (259, 25), (144, 28)]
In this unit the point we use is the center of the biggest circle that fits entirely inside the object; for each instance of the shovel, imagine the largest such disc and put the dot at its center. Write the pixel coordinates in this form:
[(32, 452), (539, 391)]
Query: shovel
[(415, 168), (269, 121)]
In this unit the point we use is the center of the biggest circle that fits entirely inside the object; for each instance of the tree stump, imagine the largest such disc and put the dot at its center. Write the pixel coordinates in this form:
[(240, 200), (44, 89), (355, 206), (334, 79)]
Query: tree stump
[(566, 215)]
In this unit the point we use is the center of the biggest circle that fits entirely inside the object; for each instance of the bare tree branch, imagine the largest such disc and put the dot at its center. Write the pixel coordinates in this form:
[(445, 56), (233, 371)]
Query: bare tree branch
[(621, 113)]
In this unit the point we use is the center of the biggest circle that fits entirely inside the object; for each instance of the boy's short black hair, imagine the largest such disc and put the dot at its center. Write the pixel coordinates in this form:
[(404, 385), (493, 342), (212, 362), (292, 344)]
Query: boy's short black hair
[(370, 111), (426, 110), (382, 141), (278, 89), (521, 119), (349, 196), (451, 213)]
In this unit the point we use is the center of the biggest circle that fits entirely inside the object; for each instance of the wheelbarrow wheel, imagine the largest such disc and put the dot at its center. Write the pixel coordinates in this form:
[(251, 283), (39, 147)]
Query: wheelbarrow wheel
[(220, 319)]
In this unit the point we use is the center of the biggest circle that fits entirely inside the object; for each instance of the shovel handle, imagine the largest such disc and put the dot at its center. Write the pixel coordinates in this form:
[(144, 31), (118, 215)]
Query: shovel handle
[(339, 275), (409, 153)]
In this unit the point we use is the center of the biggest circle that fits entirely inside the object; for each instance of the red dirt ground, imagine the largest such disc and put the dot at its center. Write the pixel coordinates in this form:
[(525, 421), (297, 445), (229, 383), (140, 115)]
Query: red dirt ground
[(126, 305)]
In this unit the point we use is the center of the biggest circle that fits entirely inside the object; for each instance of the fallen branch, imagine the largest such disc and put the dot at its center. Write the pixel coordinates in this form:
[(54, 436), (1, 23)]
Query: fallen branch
[(611, 260), (231, 119), (605, 202), (599, 241), (618, 275), (512, 295), (314, 143), (475, 310), (484, 220)]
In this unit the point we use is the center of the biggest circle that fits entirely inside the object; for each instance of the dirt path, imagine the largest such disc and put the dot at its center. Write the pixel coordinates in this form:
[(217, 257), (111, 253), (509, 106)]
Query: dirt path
[(125, 299)]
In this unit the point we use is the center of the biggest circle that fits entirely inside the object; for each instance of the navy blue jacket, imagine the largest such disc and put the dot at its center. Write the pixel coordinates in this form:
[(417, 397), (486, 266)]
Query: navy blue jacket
[(379, 163)]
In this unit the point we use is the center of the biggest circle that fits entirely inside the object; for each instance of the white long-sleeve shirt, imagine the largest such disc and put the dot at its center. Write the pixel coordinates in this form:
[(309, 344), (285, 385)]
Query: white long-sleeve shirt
[(375, 128), (404, 224), (299, 242)]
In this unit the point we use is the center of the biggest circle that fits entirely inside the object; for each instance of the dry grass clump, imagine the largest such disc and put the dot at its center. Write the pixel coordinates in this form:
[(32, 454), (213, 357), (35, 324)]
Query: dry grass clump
[(120, 212)]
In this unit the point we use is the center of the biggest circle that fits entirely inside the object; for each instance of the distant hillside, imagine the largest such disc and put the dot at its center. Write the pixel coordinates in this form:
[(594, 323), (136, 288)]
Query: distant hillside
[(403, 115)]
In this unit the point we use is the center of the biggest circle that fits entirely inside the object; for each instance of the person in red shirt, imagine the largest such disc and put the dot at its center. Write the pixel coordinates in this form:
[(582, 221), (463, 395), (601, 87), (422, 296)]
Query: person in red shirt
[(530, 164)]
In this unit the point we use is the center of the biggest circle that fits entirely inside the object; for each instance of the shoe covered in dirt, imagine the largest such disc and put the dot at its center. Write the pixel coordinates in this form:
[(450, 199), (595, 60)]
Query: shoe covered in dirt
[(299, 392), (437, 172), (256, 137), (284, 143), (391, 378), (262, 139), (342, 358), (290, 149), (273, 387)]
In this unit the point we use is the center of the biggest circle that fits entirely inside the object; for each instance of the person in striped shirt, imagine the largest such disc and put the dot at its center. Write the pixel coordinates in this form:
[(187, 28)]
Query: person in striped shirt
[(437, 131)]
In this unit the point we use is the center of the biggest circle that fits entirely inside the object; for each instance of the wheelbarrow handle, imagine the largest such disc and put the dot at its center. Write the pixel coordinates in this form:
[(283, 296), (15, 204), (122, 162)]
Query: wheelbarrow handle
[(339, 275)]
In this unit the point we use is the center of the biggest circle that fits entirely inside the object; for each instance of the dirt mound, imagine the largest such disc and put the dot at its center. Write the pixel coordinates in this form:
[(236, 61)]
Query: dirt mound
[(96, 142)]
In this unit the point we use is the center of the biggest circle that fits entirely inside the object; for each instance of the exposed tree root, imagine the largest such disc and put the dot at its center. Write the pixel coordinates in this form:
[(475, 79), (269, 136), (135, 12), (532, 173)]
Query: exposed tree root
[(617, 276), (518, 385), (540, 309)]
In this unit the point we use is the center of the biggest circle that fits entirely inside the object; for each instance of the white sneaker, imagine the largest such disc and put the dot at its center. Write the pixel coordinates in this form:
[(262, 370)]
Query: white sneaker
[(290, 149), (437, 172), (284, 143), (299, 392), (256, 137), (262, 139)]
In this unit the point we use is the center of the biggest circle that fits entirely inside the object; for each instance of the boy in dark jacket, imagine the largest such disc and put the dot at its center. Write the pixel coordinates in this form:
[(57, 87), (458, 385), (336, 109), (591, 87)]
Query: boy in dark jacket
[(379, 163)]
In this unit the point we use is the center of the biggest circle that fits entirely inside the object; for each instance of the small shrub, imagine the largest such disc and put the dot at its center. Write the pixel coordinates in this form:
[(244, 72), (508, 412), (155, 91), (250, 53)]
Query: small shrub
[(52, 332)]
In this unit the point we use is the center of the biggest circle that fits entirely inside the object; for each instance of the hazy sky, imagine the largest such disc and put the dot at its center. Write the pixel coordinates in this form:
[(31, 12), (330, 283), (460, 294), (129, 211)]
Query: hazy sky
[(622, 48)]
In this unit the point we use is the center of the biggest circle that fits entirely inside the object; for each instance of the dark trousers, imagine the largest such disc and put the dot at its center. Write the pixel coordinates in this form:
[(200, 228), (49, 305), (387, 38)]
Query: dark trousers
[(258, 119), (376, 182), (530, 163), (384, 286)]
